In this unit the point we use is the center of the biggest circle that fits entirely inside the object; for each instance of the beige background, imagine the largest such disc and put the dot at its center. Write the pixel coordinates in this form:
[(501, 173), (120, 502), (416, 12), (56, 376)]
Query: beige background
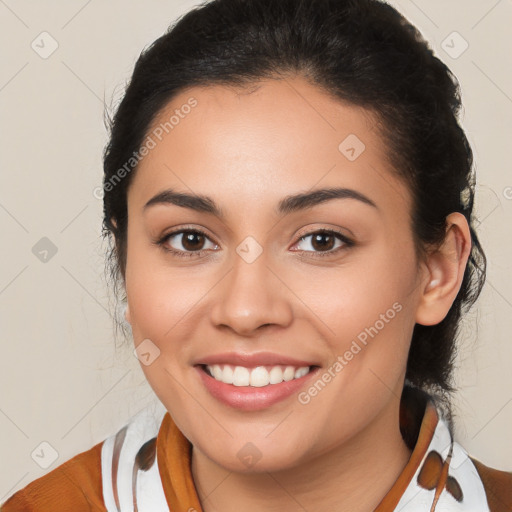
[(62, 379)]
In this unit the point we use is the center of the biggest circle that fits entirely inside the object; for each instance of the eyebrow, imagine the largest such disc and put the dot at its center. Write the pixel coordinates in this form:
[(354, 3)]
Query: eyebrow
[(289, 204)]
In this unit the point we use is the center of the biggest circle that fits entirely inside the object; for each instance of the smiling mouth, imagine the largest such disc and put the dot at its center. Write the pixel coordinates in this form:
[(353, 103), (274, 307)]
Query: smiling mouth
[(259, 376)]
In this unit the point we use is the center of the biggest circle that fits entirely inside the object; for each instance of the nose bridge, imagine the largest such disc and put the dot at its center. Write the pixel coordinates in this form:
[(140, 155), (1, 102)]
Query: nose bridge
[(251, 295)]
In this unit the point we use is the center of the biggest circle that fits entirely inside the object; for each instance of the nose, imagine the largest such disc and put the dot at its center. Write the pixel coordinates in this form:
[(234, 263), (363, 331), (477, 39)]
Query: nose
[(250, 297)]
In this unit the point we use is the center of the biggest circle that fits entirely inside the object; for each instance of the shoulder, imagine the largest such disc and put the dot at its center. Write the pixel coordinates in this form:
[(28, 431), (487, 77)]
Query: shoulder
[(74, 485), (102, 474), (497, 485)]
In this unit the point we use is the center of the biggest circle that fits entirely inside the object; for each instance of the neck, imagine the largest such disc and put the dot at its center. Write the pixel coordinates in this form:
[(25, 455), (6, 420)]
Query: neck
[(354, 476)]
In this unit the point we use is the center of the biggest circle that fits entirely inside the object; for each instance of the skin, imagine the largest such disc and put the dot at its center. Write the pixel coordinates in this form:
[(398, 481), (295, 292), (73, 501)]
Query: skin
[(247, 151)]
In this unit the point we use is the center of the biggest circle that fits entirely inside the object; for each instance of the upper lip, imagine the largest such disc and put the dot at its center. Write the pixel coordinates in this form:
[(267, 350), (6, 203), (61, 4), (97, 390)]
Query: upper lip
[(250, 360)]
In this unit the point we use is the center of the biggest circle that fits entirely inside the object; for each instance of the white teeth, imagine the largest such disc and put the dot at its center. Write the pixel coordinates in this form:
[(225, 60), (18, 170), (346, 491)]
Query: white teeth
[(259, 377), (256, 377), (241, 376), (218, 373), (227, 375), (300, 372), (289, 373), (276, 375)]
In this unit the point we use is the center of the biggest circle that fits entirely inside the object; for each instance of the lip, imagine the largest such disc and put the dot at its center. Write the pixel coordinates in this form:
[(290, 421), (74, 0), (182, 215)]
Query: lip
[(248, 398), (253, 360)]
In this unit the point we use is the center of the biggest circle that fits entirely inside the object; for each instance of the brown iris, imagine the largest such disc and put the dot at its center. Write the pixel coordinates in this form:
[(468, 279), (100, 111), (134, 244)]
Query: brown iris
[(192, 241), (323, 241)]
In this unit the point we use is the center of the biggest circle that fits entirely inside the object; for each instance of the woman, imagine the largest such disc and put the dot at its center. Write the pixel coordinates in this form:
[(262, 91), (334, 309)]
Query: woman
[(290, 198)]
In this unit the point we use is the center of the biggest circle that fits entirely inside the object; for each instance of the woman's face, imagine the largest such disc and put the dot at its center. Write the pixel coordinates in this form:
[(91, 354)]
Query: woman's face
[(329, 282)]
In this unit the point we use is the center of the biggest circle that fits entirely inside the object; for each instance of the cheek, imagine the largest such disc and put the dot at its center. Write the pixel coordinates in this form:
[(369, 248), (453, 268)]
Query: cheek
[(157, 296), (368, 290), (159, 305)]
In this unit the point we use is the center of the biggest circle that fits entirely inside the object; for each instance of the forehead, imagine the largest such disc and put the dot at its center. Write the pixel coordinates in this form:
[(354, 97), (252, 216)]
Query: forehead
[(261, 143)]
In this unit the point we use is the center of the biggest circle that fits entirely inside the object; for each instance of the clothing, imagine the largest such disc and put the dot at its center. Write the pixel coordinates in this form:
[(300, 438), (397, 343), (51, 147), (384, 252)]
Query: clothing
[(148, 463)]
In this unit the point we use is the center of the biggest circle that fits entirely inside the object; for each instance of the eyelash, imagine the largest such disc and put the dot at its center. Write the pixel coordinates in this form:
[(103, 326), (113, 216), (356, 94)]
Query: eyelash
[(348, 243)]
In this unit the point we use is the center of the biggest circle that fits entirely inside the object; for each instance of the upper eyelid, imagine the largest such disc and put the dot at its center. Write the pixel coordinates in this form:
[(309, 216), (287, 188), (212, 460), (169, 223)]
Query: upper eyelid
[(324, 230), (185, 229), (347, 241)]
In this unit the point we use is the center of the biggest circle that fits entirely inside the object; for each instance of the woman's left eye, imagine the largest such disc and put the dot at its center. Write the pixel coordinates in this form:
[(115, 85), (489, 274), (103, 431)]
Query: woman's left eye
[(324, 242)]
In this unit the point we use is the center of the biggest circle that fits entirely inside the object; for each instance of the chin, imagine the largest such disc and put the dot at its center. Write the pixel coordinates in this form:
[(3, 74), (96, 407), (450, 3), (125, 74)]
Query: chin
[(253, 461)]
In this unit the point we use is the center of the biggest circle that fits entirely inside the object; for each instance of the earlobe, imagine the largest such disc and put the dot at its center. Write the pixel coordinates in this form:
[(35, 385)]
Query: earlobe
[(445, 271)]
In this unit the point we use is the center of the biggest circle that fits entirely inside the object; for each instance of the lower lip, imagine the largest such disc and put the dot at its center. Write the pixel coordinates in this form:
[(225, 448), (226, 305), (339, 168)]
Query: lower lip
[(250, 398)]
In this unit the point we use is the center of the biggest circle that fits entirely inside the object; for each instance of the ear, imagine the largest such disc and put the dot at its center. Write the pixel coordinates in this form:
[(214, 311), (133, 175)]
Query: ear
[(444, 272)]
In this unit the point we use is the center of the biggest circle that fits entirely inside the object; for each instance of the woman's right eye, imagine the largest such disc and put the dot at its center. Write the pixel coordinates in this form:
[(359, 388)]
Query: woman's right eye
[(186, 242)]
